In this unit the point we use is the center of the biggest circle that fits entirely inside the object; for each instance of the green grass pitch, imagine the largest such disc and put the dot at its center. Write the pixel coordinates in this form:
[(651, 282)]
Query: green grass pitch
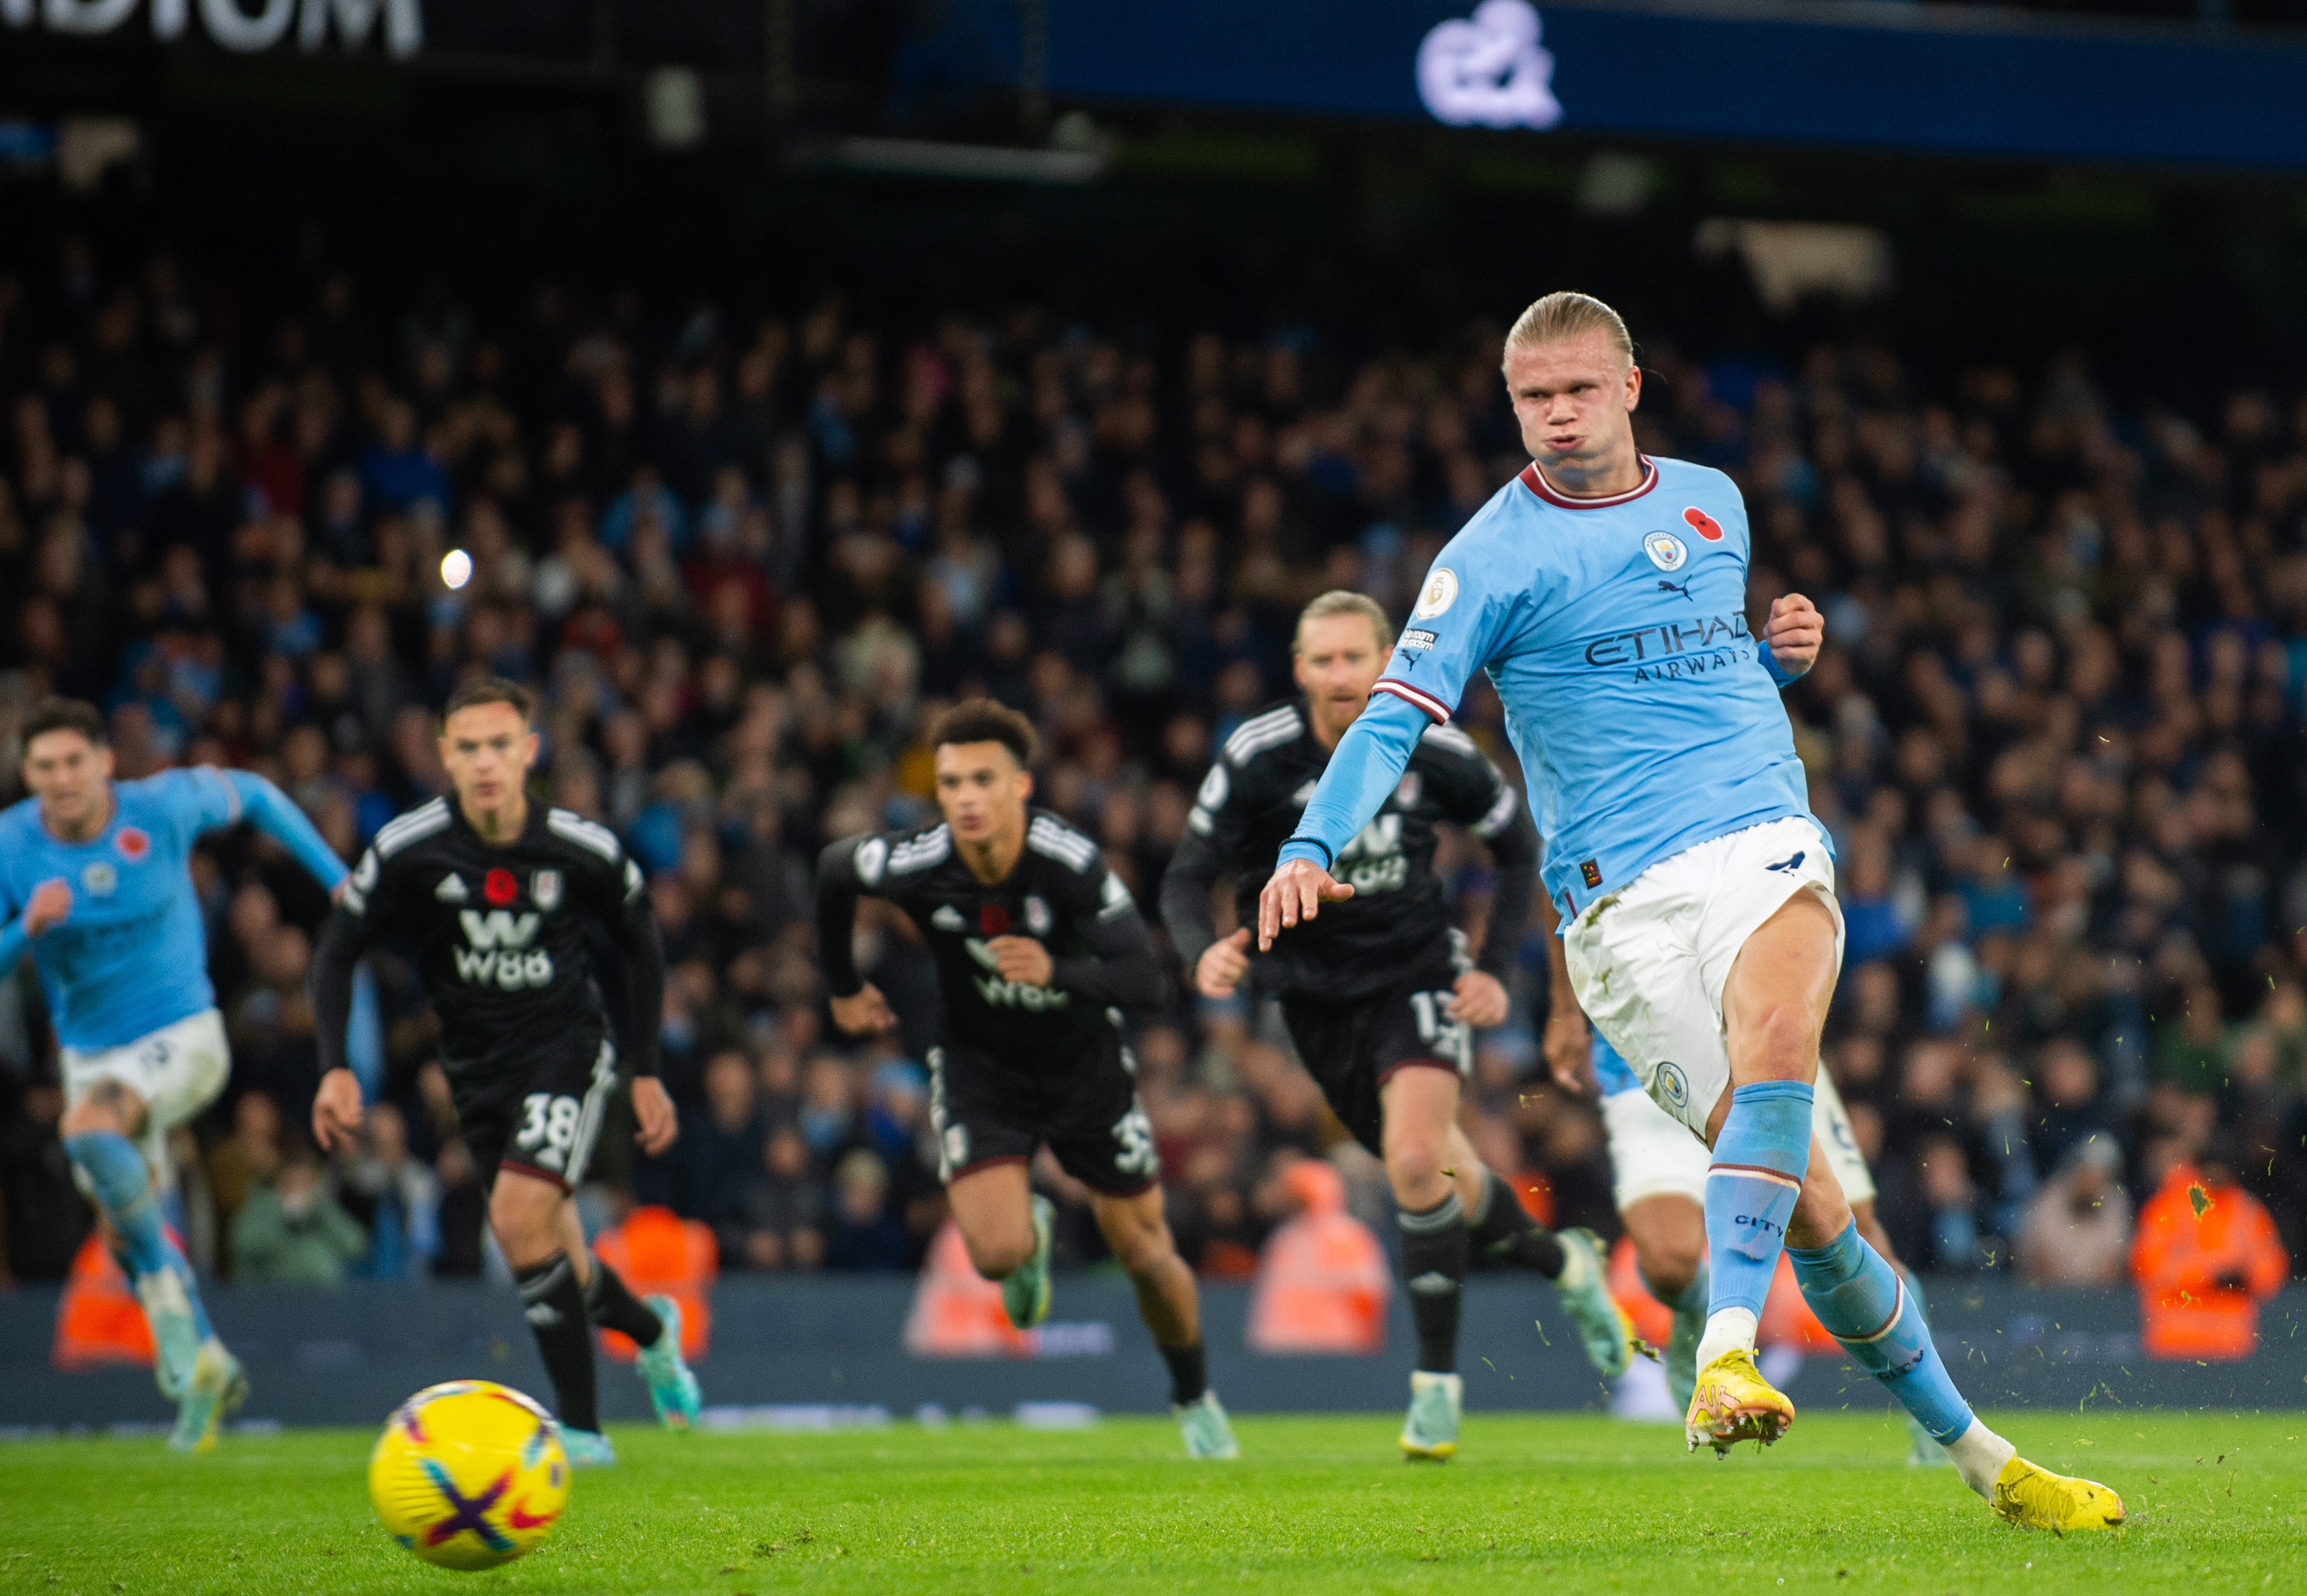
[(1532, 1504)]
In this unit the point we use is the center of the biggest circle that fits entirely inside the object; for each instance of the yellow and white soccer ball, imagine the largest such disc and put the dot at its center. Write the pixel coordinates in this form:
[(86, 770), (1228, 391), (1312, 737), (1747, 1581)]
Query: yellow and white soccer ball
[(469, 1474)]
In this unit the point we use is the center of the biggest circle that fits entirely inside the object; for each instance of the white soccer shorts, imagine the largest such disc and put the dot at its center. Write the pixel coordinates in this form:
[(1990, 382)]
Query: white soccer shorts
[(1653, 1154), (1648, 961), (177, 1070)]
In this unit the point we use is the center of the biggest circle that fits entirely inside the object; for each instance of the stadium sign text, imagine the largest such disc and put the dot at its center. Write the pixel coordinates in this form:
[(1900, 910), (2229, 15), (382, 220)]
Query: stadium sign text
[(245, 26), (1487, 70)]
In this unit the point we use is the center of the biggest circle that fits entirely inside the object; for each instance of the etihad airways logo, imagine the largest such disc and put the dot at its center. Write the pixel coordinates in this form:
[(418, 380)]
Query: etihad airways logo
[(1676, 650)]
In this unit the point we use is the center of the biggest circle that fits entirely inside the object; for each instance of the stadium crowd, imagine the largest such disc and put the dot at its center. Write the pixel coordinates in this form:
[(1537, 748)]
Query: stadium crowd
[(2055, 733)]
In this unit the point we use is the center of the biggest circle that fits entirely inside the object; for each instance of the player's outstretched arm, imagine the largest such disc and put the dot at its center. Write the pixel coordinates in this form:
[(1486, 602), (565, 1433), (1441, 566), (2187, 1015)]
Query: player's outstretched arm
[(631, 969), (858, 1008), (1369, 761), (271, 812), (1506, 828), (336, 1107), (1567, 1044), (1120, 969), (50, 905)]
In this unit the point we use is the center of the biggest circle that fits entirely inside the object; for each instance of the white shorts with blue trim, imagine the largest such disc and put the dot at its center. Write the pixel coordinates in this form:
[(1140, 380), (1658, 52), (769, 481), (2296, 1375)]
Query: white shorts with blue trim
[(1648, 961)]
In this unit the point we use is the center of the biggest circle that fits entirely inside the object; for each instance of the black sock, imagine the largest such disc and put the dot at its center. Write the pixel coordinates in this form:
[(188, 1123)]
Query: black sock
[(609, 1303), (1506, 1231), (1189, 1373), (556, 1316), (1434, 1253)]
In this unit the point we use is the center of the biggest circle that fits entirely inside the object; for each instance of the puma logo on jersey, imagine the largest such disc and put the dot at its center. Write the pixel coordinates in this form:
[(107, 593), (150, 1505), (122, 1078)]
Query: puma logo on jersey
[(1788, 867), (500, 954), (1000, 993)]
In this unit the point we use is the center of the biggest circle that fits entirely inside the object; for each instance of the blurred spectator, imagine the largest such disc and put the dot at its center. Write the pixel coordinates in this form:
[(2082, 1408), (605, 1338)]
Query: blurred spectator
[(2206, 1257), (248, 1158), (861, 1231), (293, 1232), (2078, 1227), (396, 1198), (779, 1223), (43, 1218), (745, 547)]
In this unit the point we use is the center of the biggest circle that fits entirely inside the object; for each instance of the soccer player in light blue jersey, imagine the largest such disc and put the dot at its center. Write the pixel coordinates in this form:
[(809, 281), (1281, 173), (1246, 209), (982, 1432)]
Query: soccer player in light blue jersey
[(1604, 593), (94, 885)]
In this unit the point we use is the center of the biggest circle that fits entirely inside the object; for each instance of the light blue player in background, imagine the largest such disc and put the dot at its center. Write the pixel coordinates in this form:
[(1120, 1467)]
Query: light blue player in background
[(94, 884), (1657, 1180), (1604, 594)]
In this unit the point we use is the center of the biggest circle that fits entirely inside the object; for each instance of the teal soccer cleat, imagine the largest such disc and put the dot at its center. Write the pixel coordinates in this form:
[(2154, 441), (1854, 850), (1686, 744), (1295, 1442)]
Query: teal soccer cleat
[(586, 1448), (1429, 1430), (1203, 1422), (672, 1383), (1603, 1328), (218, 1385), (1026, 1290)]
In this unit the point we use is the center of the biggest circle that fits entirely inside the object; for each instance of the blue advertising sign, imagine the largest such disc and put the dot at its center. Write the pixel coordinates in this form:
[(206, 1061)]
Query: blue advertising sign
[(1881, 75)]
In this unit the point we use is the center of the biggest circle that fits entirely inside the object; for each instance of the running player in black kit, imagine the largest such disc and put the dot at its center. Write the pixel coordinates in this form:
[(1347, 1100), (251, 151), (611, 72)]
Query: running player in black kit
[(502, 904), (1378, 994), (1039, 947)]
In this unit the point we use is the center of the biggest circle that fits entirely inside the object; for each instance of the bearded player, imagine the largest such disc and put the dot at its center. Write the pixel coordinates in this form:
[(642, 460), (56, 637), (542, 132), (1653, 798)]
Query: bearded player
[(93, 884), (1604, 594), (1379, 995), (521, 919), (1039, 949)]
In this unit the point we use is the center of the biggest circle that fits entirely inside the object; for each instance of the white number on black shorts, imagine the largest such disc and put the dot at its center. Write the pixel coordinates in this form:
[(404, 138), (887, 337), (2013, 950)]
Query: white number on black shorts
[(1134, 1132), (547, 1130), (1437, 1029)]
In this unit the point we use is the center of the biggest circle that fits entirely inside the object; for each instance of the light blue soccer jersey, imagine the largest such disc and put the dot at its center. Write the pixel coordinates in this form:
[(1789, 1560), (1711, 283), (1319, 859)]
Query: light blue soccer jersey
[(131, 956), (1646, 715), (1612, 1075)]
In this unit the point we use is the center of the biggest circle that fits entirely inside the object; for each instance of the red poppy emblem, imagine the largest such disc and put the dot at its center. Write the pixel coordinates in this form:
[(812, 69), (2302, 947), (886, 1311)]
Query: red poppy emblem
[(500, 887), (993, 920), (133, 842), (1704, 524)]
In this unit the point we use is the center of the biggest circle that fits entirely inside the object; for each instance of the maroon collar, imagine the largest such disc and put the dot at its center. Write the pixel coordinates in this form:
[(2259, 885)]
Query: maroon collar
[(1535, 481)]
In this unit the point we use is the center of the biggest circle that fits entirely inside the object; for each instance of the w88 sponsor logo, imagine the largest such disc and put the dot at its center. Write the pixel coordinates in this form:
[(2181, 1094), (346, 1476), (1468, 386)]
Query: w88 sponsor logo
[(500, 954)]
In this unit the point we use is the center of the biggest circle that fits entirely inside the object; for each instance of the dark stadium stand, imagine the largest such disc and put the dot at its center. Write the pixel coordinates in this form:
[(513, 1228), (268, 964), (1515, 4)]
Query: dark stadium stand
[(748, 518)]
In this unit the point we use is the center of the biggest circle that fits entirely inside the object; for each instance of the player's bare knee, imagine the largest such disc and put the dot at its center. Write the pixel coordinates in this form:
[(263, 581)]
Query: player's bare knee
[(1778, 1042), (107, 1105), (1821, 1213), (997, 1257), (1414, 1165)]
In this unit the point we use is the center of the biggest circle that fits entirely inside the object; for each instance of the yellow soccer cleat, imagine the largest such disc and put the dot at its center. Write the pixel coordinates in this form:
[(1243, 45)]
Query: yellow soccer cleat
[(2036, 1498), (1733, 1403)]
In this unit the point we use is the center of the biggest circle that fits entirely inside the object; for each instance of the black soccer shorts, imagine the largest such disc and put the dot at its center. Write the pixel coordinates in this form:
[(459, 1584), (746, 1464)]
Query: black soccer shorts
[(1086, 1110), (543, 1116), (1352, 1048)]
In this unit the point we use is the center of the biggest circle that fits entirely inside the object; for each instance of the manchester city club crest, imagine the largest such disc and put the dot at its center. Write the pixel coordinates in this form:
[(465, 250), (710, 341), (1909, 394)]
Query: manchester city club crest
[(1673, 1086), (1667, 551), (545, 889)]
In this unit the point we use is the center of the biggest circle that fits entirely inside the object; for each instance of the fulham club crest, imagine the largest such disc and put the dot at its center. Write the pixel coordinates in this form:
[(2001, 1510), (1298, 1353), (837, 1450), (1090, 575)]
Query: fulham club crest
[(545, 890)]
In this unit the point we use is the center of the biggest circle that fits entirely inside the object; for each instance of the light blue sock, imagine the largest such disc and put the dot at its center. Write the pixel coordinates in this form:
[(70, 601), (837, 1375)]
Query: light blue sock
[(1864, 1304), (1750, 1188), (123, 1185)]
